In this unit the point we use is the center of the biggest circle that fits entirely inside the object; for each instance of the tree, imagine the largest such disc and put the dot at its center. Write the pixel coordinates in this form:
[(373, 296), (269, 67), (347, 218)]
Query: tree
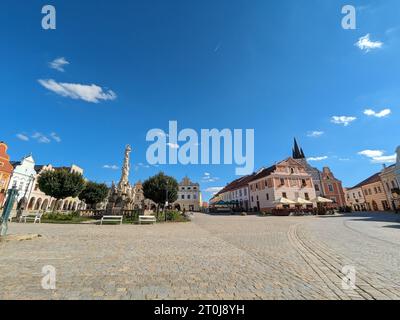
[(61, 184), (94, 193), (159, 187)]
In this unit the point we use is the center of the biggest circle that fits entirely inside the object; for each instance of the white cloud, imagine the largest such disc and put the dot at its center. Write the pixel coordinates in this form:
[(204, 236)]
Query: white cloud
[(111, 167), (315, 134), (89, 93), (41, 138), (209, 178), (365, 44), (377, 156), (55, 137), (371, 153), (22, 137), (58, 64), (317, 158), (385, 159), (380, 114), (214, 190), (344, 159), (173, 145), (343, 120)]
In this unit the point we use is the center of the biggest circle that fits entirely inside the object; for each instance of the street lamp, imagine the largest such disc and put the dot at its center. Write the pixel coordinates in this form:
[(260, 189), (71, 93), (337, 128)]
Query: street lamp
[(26, 200), (166, 202), (12, 195)]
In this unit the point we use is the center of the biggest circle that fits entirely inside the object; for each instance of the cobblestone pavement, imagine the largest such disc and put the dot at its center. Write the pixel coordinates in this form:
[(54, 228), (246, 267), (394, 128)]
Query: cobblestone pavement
[(212, 257)]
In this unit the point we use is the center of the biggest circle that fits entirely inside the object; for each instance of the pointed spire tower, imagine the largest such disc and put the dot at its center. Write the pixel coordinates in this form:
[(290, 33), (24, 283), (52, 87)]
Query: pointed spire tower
[(298, 153)]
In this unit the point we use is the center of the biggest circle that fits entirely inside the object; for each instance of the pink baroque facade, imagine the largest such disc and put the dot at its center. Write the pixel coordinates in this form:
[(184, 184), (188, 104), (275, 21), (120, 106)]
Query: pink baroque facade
[(287, 179)]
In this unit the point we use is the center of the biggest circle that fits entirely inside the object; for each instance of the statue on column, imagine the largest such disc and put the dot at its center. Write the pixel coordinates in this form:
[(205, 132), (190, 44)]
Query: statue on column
[(125, 169)]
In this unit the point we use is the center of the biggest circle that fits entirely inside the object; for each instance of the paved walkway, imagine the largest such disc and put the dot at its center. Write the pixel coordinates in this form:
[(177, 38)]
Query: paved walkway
[(213, 257)]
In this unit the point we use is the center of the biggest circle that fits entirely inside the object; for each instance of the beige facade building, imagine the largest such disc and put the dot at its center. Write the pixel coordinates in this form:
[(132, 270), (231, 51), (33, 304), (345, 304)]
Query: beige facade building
[(287, 179), (355, 199), (391, 186), (374, 193), (40, 201), (189, 196)]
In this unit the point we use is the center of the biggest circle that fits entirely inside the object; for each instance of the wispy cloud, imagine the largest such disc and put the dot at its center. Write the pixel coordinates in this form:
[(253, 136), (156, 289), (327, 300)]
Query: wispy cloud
[(317, 158), (207, 178), (366, 44), (110, 167), (344, 120), (55, 137), (41, 138), (380, 114), (378, 156), (58, 64), (214, 190), (89, 93), (315, 134), (22, 137)]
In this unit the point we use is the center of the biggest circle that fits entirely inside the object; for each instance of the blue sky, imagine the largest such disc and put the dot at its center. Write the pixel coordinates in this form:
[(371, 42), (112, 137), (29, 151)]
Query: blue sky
[(284, 68)]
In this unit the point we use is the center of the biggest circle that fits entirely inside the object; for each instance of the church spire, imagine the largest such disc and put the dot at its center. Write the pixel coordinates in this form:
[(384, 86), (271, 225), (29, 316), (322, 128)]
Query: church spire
[(298, 153)]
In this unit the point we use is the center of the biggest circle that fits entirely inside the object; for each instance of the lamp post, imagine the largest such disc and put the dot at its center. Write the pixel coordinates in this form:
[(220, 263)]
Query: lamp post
[(166, 202), (12, 195), (26, 200)]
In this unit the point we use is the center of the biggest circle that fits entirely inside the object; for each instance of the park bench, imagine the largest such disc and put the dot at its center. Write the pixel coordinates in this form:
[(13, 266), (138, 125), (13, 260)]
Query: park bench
[(35, 217), (147, 219), (111, 219)]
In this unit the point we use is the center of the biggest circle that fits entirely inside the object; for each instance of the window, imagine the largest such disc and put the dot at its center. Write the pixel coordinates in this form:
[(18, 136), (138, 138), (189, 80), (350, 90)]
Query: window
[(376, 191), (316, 187), (282, 182), (267, 196), (284, 195), (330, 187), (183, 196), (194, 197), (188, 196), (252, 199), (303, 183), (359, 194), (291, 170), (393, 184), (306, 196), (245, 192)]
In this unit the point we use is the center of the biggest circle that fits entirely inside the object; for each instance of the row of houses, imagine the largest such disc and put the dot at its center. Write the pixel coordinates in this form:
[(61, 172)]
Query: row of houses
[(379, 192), (23, 175), (291, 180), (295, 181)]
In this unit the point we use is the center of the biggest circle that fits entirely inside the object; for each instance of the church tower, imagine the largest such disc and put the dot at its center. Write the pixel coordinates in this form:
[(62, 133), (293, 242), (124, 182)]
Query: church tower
[(297, 152)]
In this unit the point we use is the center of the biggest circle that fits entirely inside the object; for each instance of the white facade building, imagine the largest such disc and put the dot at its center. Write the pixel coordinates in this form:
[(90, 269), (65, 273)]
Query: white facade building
[(23, 177)]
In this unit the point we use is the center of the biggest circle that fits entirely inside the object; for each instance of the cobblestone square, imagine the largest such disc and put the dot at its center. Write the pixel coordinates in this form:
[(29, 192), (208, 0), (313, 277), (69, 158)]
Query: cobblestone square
[(212, 257)]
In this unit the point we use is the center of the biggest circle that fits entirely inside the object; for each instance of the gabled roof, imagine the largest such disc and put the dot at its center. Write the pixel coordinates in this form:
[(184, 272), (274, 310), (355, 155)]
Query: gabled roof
[(372, 179)]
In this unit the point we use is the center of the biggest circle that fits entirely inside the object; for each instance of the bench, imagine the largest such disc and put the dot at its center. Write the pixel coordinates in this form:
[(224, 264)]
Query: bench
[(147, 219), (35, 217), (111, 219)]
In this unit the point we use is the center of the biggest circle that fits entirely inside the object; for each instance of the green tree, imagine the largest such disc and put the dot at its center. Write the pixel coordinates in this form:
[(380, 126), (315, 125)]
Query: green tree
[(158, 187), (94, 193), (61, 184)]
